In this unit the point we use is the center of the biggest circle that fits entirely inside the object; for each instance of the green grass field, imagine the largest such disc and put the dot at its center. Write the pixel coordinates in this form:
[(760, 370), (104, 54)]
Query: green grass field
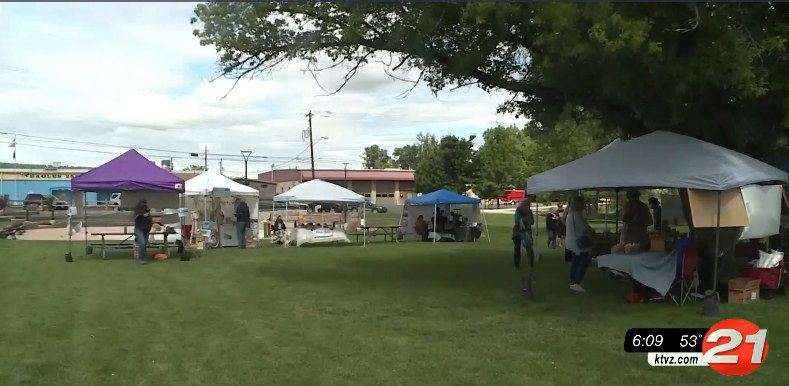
[(408, 313)]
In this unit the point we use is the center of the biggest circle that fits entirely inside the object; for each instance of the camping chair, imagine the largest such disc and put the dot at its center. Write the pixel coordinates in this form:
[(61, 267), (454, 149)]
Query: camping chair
[(687, 280)]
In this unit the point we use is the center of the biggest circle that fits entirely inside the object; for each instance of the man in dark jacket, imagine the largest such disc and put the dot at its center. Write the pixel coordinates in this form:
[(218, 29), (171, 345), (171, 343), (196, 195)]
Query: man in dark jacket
[(242, 222), (142, 228)]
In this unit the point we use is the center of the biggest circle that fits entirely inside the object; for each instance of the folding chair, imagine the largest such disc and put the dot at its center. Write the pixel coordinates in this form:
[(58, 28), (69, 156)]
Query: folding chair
[(687, 278)]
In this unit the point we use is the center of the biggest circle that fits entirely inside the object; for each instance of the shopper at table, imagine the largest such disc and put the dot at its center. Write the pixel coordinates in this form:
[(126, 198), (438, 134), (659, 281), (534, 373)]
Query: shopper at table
[(657, 220), (242, 222), (636, 218), (552, 226), (578, 242), (142, 228), (421, 227), (279, 230)]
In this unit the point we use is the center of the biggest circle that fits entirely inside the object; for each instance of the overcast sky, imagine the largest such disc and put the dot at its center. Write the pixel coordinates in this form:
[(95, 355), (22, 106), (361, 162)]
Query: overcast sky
[(134, 75)]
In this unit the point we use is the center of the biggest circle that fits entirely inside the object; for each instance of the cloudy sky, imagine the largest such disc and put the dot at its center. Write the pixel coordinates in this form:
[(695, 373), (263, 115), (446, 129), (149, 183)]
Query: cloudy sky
[(134, 75)]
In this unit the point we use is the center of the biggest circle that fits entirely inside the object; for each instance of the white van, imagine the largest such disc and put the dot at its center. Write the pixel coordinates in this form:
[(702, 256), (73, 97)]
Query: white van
[(115, 199)]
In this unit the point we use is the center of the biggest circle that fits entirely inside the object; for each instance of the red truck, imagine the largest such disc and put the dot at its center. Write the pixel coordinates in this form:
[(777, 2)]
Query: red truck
[(512, 196)]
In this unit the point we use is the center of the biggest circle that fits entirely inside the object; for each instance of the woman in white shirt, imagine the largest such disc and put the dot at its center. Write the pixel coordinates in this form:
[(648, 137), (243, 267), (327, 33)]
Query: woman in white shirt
[(578, 230)]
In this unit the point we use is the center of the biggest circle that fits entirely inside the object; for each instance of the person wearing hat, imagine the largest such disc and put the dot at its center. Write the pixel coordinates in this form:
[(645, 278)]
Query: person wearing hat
[(142, 227)]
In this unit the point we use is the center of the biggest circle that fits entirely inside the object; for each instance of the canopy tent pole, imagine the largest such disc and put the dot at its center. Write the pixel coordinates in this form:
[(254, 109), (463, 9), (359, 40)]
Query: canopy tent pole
[(717, 246), (364, 223), (435, 218), (85, 208), (487, 233), (536, 217), (605, 215), (272, 219), (616, 212)]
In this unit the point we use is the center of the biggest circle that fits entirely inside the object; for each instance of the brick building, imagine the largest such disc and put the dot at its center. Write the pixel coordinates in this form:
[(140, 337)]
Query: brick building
[(384, 187)]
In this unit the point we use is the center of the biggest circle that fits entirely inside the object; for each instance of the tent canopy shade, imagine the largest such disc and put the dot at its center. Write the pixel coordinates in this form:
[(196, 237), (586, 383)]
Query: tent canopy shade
[(206, 181), (440, 197), (319, 191), (128, 171), (660, 159)]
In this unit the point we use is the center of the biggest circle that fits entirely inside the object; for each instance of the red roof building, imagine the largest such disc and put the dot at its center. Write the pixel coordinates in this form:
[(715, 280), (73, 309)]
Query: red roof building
[(382, 186)]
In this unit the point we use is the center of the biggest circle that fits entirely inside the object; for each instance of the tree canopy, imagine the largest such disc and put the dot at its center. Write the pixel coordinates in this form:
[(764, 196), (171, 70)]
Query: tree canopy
[(716, 71), (376, 157)]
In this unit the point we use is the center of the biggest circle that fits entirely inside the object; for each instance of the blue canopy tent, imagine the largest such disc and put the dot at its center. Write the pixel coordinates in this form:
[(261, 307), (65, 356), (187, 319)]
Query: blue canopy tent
[(445, 197)]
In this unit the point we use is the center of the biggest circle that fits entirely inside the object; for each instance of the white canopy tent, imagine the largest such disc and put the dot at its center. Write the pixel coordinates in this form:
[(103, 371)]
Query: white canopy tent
[(322, 191), (319, 191), (660, 160), (203, 187)]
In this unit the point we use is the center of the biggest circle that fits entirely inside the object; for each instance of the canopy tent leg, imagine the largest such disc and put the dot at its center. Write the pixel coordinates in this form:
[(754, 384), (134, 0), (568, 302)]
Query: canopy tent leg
[(605, 216), (536, 217), (272, 219), (717, 245), (435, 217), (616, 212), (711, 306), (85, 208), (487, 233), (364, 224)]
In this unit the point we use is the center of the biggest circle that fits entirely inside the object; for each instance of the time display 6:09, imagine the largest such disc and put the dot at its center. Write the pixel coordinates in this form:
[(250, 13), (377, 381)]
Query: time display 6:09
[(664, 339)]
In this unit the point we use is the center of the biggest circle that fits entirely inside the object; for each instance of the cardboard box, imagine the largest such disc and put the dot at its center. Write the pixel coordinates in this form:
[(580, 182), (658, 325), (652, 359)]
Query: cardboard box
[(704, 208), (657, 243), (743, 290)]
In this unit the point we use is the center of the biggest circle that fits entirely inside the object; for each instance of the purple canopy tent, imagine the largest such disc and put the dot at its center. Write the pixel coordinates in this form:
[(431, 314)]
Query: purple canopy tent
[(128, 171)]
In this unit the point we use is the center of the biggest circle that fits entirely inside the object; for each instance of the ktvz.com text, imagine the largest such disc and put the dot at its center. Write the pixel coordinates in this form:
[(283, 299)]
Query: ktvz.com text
[(676, 359)]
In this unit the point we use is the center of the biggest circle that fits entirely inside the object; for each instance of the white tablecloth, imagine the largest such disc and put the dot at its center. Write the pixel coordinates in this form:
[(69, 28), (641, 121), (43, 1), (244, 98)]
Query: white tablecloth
[(653, 269), (322, 235)]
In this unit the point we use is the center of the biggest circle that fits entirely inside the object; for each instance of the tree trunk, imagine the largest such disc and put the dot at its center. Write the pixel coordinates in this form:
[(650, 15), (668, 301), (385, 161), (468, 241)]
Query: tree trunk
[(498, 203)]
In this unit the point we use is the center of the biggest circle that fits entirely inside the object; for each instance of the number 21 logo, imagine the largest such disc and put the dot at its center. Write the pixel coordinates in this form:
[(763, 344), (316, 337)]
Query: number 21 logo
[(725, 351)]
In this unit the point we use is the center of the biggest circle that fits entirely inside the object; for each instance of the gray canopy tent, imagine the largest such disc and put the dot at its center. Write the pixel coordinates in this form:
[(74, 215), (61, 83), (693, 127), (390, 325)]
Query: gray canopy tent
[(660, 160)]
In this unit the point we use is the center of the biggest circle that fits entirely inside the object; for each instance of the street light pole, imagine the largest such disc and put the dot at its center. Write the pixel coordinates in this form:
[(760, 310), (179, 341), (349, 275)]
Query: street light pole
[(245, 154)]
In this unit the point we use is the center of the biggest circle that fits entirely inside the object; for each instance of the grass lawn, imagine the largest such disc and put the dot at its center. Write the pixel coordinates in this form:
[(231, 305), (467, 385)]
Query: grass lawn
[(408, 313)]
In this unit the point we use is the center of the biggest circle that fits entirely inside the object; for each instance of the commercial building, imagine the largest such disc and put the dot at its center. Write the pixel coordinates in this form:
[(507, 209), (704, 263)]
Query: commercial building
[(16, 183), (382, 186)]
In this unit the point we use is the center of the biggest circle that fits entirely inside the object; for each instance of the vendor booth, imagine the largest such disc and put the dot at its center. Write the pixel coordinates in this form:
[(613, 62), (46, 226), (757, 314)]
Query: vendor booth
[(321, 227), (135, 176), (448, 216), (723, 192), (210, 197)]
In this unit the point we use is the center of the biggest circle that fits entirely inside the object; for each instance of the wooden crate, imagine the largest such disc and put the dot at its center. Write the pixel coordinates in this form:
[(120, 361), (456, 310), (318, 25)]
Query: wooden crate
[(743, 290)]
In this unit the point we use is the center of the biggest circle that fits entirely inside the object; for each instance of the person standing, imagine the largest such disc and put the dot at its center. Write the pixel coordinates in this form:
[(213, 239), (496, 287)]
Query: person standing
[(657, 220), (578, 242), (242, 222), (636, 218), (521, 231), (142, 228), (552, 226)]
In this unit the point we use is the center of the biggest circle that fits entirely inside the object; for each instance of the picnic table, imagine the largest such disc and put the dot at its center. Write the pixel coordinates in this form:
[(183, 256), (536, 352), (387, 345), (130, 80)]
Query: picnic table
[(380, 230), (124, 243)]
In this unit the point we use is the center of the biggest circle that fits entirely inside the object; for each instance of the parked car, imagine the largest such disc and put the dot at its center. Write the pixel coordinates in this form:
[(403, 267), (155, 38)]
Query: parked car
[(326, 207), (370, 207), (280, 205), (115, 199), (34, 199), (59, 205)]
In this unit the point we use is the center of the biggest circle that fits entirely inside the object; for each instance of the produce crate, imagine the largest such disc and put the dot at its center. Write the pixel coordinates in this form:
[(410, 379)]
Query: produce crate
[(743, 290)]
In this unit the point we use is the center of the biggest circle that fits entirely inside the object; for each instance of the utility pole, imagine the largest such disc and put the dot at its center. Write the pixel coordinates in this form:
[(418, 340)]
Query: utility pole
[(245, 154), (346, 173), (205, 162), (312, 153), (272, 172), (221, 167)]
